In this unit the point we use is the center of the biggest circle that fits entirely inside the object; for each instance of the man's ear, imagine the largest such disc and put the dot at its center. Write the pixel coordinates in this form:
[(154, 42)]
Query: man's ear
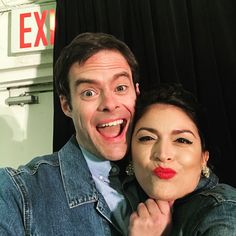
[(65, 105), (137, 89)]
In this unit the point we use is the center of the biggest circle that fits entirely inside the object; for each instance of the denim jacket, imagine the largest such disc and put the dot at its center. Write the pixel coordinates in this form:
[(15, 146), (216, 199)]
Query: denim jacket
[(210, 210), (54, 195)]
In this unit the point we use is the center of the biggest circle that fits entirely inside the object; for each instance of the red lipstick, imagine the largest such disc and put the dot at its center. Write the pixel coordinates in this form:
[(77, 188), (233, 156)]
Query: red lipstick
[(164, 173)]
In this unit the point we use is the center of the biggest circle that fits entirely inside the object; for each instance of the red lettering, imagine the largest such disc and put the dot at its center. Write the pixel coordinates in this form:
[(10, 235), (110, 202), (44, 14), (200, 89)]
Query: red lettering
[(52, 26), (24, 30), (40, 23)]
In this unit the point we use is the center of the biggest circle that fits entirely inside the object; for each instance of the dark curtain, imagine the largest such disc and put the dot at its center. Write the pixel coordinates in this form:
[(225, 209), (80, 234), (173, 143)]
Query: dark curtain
[(188, 41)]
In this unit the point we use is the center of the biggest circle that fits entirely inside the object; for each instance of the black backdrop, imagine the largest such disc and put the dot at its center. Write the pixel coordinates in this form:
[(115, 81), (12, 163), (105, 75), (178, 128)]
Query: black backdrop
[(188, 41)]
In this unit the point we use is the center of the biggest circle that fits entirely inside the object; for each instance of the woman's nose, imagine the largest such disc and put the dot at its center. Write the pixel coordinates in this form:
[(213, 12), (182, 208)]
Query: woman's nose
[(162, 152)]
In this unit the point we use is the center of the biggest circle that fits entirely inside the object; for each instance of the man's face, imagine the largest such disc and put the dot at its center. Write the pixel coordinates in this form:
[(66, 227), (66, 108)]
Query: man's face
[(102, 100)]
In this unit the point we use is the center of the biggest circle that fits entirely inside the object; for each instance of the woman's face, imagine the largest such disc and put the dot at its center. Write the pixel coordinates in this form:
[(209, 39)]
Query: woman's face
[(166, 151)]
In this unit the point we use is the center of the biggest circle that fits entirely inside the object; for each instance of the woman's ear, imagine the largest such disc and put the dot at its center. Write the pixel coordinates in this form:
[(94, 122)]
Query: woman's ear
[(65, 106), (205, 158)]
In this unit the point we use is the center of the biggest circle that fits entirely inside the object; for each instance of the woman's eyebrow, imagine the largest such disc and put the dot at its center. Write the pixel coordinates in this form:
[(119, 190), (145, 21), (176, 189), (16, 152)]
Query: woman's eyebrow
[(183, 131), (146, 129)]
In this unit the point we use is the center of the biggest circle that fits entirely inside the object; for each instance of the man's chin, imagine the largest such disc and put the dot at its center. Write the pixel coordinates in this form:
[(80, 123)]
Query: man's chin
[(113, 154)]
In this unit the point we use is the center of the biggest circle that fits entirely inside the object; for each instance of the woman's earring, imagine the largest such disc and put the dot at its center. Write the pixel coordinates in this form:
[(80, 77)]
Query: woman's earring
[(205, 171), (130, 169)]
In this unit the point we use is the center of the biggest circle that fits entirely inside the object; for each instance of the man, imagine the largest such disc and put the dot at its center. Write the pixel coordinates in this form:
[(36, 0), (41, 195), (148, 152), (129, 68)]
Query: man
[(77, 191)]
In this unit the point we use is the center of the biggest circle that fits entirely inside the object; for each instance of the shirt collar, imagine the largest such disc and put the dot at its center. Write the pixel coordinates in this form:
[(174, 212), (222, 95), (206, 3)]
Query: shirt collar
[(99, 167)]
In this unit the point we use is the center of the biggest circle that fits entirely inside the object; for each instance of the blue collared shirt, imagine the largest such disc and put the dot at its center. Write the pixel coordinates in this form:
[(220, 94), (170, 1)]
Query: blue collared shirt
[(106, 178)]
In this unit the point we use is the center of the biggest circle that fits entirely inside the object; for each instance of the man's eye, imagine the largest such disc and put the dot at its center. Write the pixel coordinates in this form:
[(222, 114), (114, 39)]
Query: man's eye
[(183, 140), (88, 93), (145, 138), (121, 88)]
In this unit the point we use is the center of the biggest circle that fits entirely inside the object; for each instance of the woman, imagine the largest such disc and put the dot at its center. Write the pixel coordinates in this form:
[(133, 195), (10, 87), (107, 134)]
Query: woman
[(170, 161)]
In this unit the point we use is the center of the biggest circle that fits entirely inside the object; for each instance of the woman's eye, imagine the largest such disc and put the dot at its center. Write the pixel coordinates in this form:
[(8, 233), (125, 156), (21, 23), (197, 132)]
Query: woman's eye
[(183, 140), (121, 88), (145, 138), (88, 93)]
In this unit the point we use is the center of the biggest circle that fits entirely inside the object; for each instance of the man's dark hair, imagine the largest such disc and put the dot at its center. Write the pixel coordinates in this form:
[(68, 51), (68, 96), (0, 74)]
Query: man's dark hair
[(81, 49)]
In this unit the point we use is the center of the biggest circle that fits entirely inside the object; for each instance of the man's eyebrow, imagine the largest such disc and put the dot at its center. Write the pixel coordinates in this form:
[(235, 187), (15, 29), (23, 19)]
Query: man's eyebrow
[(122, 74), (80, 81)]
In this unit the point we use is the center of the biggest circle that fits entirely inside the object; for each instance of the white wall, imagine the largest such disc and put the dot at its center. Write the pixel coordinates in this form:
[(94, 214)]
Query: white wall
[(25, 130)]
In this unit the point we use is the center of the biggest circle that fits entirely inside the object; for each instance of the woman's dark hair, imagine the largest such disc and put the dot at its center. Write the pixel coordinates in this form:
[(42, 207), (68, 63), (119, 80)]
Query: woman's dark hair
[(81, 49), (175, 94)]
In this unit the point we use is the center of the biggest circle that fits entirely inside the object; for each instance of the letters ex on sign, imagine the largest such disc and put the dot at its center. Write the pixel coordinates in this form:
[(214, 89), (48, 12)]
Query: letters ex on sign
[(33, 28)]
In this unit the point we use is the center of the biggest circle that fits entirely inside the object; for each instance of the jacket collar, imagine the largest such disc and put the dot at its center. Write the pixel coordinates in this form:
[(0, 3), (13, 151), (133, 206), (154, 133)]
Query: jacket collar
[(207, 183), (77, 180), (204, 184)]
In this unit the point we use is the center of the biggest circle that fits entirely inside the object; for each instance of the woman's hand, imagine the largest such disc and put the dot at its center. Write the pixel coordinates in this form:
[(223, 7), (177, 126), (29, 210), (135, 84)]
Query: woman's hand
[(151, 218)]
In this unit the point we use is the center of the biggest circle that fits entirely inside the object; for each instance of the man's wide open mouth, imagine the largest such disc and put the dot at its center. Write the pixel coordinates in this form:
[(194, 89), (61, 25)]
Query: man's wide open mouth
[(112, 129)]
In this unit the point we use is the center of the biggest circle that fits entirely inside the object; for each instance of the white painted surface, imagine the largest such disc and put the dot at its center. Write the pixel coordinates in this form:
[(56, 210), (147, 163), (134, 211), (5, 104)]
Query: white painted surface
[(25, 131), (27, 65)]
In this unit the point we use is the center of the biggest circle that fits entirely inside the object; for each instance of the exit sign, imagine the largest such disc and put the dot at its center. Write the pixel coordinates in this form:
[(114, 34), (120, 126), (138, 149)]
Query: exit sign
[(32, 28)]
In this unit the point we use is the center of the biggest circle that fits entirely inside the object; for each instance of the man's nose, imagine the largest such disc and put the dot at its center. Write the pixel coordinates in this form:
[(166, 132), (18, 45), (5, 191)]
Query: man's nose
[(108, 102)]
